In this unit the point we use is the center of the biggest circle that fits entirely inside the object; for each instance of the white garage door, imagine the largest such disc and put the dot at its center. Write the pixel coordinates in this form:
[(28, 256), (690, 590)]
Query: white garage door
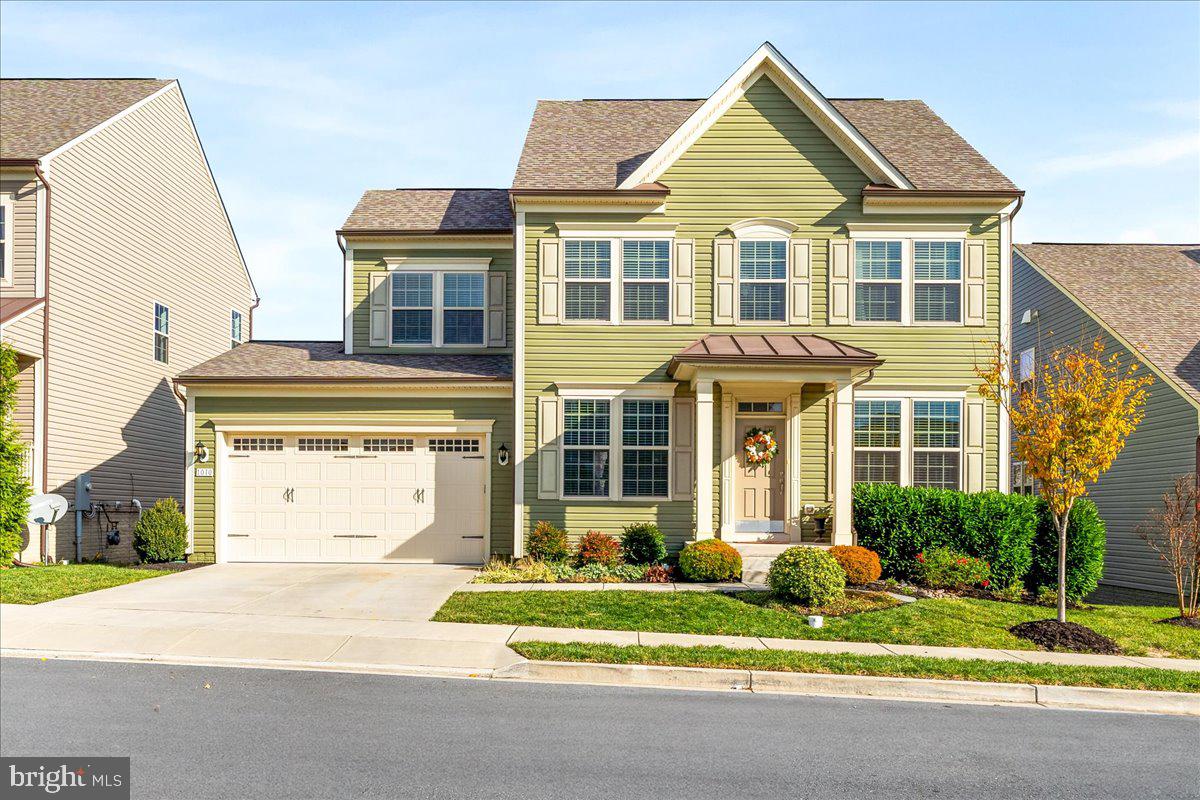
[(334, 497)]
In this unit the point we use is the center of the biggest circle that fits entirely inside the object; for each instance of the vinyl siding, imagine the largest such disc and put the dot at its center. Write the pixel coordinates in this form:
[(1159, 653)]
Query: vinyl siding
[(367, 261), (23, 237), (23, 414), (763, 158), (25, 335), (1162, 448), (345, 411), (135, 220)]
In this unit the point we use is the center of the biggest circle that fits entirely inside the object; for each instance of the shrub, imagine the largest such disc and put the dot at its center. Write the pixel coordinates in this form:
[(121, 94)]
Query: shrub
[(657, 574), (14, 489), (710, 560), (899, 522), (161, 532), (598, 548), (643, 543), (944, 568), (595, 573), (1085, 551), (860, 564), (526, 570), (628, 573), (548, 543), (808, 575)]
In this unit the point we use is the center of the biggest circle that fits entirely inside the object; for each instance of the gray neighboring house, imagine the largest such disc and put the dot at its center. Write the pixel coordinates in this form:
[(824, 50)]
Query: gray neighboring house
[(1144, 300), (120, 269)]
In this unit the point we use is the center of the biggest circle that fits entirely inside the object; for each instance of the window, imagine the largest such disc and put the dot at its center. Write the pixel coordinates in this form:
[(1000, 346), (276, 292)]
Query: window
[(1022, 481), (878, 270), (646, 280), (588, 274), (387, 445), (936, 441), (645, 443), (6, 226), (439, 308), (322, 444), (762, 280), (760, 408), (937, 281), (462, 308), (235, 328), (586, 443), (454, 445), (257, 444), (877, 441), (412, 308), (1025, 370), (162, 330)]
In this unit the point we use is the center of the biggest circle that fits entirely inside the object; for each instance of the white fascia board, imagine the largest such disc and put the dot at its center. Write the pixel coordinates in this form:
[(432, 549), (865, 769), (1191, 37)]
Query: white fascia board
[(368, 388), (607, 391), (596, 230), (348, 299), (827, 118), (435, 262)]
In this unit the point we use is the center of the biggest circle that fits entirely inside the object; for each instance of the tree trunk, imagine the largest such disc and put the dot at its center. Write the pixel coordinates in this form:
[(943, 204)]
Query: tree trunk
[(1062, 566)]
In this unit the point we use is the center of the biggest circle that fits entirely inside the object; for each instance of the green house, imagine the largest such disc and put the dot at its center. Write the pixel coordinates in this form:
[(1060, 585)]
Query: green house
[(713, 314)]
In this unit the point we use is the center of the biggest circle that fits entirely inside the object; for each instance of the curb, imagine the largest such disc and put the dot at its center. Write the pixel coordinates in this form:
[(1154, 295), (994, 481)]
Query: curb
[(803, 683)]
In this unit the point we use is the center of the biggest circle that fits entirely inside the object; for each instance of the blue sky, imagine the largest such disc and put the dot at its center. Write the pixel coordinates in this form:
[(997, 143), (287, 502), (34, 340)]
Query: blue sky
[(1093, 109)]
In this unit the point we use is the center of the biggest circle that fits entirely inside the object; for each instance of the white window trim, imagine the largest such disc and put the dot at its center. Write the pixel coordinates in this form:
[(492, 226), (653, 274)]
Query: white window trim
[(615, 436), (962, 413), (235, 314), (438, 269), (907, 451), (154, 334), (616, 270), (761, 234), (8, 209), (907, 280), (1021, 376)]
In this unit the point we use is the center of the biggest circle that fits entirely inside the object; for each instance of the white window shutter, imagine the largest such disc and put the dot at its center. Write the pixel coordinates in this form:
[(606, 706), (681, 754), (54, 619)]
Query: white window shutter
[(496, 310), (550, 253), (975, 283), (723, 282), (839, 282), (682, 282), (380, 308), (799, 284), (683, 459), (973, 438), (548, 435)]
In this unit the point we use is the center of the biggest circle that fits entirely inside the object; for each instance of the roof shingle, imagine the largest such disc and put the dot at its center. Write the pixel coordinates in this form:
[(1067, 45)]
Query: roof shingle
[(431, 210), (40, 115), (1148, 293)]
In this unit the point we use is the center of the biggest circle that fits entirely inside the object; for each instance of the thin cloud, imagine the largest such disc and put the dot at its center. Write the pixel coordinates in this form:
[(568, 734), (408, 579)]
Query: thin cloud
[(1153, 153)]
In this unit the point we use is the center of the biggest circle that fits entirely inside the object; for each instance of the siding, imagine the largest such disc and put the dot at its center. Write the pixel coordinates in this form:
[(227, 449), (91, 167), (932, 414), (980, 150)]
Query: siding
[(135, 220), (368, 260), (23, 237), (23, 414), (25, 335), (350, 410), (1162, 448), (764, 157)]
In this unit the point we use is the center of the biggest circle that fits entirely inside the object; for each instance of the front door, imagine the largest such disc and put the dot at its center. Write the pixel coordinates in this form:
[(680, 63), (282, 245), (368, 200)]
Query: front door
[(759, 487)]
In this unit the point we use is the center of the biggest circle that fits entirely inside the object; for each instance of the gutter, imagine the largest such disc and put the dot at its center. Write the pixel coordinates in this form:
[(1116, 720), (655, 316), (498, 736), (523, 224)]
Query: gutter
[(44, 543)]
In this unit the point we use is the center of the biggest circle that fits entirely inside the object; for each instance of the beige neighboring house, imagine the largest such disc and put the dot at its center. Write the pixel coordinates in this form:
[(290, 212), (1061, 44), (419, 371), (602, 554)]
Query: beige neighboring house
[(120, 270)]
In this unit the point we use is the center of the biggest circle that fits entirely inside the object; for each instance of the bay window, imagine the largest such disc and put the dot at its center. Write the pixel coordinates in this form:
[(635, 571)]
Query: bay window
[(762, 280)]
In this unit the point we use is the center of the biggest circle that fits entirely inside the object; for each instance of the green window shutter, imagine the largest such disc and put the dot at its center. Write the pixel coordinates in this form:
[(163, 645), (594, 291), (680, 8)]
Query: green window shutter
[(799, 285), (682, 282), (723, 282), (547, 457), (683, 458), (496, 310), (973, 436), (380, 306), (839, 282), (550, 254), (975, 283)]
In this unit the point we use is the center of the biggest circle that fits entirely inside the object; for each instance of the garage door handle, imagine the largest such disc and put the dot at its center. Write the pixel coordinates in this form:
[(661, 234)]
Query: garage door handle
[(419, 495), (355, 536), (472, 537)]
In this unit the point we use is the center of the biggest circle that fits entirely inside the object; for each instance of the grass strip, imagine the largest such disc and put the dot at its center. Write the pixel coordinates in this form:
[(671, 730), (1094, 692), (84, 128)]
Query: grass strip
[(31, 585)]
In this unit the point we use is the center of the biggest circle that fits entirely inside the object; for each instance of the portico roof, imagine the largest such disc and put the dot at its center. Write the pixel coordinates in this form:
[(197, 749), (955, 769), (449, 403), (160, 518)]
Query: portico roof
[(777, 349)]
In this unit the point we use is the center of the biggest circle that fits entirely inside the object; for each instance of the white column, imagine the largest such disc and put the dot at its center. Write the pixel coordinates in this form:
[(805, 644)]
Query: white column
[(793, 507), (843, 461), (704, 459)]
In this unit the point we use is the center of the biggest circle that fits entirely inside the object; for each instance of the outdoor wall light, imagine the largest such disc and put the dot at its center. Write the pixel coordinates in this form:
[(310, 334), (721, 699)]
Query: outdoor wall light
[(201, 452), (502, 455)]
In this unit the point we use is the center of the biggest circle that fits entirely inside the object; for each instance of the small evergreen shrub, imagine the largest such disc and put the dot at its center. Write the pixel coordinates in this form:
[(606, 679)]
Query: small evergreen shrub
[(860, 564), (710, 560), (944, 568), (1085, 551), (160, 534), (598, 548), (548, 542), (642, 543), (14, 489), (808, 575)]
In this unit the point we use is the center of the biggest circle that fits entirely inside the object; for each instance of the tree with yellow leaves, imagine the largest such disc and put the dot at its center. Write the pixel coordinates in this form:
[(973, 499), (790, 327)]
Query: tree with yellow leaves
[(1071, 423)]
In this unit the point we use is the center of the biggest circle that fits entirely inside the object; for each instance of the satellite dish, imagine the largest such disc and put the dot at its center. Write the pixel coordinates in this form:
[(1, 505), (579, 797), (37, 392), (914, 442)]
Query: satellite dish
[(46, 509)]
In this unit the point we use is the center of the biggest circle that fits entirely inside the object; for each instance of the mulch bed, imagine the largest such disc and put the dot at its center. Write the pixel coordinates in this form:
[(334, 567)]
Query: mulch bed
[(1183, 622), (1050, 634)]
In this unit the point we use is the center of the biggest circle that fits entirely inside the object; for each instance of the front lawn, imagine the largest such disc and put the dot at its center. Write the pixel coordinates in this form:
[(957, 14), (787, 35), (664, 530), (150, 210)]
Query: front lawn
[(957, 622), (30, 585), (1162, 680)]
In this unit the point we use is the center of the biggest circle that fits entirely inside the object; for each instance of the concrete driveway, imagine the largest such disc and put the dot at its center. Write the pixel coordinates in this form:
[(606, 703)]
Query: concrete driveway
[(324, 614)]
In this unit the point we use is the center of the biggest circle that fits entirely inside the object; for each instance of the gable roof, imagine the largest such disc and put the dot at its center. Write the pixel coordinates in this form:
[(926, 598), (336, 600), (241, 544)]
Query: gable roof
[(431, 211), (42, 114), (596, 145), (1149, 294)]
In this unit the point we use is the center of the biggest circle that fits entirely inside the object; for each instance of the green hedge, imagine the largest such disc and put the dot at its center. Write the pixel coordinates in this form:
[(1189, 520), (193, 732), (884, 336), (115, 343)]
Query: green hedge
[(1013, 533)]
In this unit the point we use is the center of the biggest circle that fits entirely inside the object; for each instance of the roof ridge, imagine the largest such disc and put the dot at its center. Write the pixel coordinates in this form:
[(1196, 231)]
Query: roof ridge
[(441, 189), (134, 78), (1112, 244)]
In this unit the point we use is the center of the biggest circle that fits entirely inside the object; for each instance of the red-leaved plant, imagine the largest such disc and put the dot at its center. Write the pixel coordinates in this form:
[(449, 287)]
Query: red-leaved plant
[(598, 548)]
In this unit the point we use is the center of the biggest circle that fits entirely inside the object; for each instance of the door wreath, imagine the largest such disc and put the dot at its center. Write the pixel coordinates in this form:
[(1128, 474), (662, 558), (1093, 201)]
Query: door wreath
[(760, 446)]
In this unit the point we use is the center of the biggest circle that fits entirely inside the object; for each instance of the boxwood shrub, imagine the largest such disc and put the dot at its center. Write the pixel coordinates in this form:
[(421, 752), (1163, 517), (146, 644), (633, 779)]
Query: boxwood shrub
[(1085, 551), (710, 560), (160, 534)]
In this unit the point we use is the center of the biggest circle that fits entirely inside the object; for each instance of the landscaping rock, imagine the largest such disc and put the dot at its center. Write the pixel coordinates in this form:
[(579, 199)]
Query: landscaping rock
[(1051, 634)]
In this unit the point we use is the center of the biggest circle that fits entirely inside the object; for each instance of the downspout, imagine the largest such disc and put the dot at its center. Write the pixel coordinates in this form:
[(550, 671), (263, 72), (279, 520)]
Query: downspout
[(250, 329), (44, 534)]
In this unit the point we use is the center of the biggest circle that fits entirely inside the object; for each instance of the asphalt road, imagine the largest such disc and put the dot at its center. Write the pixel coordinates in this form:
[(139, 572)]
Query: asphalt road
[(199, 732)]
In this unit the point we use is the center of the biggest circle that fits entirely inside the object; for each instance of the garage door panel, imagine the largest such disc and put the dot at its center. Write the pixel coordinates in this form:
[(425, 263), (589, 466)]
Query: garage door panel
[(272, 471)]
